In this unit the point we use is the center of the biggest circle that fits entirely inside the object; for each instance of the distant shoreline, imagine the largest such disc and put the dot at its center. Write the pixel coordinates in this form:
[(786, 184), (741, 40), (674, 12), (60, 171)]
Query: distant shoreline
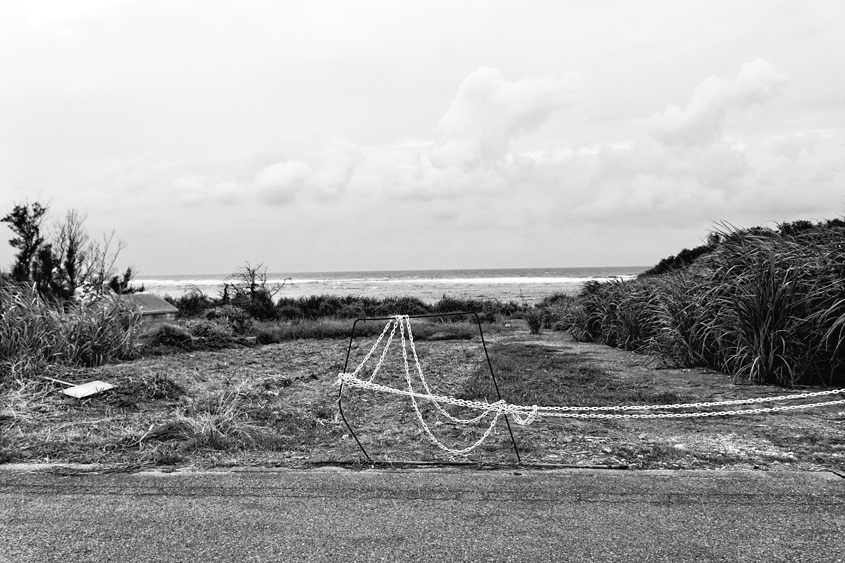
[(507, 284)]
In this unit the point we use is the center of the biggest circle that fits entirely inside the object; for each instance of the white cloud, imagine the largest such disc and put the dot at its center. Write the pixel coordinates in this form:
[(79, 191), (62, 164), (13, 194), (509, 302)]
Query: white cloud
[(702, 121), (326, 175), (332, 166), (280, 182), (488, 112)]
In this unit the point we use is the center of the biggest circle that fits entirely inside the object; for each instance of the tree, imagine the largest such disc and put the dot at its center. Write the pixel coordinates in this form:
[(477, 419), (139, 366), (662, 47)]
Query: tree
[(70, 260), (73, 248), (120, 284), (251, 290), (25, 221)]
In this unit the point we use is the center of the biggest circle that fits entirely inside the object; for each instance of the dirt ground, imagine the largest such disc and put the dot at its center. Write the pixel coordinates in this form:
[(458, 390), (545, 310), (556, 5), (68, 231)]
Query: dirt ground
[(276, 405)]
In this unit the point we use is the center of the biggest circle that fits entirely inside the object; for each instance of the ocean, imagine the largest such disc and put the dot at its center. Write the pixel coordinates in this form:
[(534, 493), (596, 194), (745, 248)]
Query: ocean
[(516, 284)]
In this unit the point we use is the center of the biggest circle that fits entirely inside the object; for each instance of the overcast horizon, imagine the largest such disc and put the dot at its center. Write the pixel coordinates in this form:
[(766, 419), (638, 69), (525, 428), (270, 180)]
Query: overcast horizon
[(354, 136)]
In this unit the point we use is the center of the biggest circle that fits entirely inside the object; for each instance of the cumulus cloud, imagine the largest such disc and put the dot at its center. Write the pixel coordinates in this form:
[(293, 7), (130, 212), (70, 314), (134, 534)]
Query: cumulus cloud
[(332, 167), (472, 154), (326, 174), (702, 121), (488, 112), (678, 173), (280, 182)]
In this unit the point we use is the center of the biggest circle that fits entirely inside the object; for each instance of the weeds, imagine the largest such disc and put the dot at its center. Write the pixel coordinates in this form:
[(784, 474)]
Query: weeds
[(219, 423), (35, 331), (761, 305)]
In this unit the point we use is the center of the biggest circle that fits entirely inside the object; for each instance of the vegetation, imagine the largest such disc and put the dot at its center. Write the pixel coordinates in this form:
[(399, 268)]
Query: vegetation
[(61, 263), (35, 332), (538, 374), (246, 312), (58, 304), (258, 304), (277, 405), (761, 304)]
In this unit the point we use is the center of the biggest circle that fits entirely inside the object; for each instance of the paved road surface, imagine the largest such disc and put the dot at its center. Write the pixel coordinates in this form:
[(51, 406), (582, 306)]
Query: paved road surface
[(422, 515)]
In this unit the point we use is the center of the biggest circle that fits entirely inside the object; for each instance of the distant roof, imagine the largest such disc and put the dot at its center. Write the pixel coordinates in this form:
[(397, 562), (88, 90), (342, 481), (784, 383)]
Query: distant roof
[(149, 303)]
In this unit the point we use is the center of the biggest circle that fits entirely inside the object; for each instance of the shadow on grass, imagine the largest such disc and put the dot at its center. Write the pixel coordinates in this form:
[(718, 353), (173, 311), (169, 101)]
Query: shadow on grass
[(534, 374)]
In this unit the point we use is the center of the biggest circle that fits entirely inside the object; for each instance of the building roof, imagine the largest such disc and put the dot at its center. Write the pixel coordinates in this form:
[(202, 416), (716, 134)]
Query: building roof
[(149, 303)]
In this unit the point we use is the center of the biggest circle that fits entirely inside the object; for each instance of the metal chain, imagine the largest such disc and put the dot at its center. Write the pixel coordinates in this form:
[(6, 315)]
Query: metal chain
[(697, 405), (436, 404), (375, 346), (522, 411), (428, 431), (525, 415)]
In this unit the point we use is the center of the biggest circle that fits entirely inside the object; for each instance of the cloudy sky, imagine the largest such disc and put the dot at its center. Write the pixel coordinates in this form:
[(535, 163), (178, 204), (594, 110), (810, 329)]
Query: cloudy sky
[(314, 136)]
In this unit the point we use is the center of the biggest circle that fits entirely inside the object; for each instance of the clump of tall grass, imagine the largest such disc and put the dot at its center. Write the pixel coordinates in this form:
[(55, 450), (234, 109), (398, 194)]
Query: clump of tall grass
[(217, 423), (37, 331), (763, 305)]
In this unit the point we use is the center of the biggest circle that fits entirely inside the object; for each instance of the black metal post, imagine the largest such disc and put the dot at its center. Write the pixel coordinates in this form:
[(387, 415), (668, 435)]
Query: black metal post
[(340, 393)]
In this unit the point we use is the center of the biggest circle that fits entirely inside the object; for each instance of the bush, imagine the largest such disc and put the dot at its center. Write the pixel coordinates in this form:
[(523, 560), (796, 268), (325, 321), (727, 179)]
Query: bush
[(764, 306), (34, 330), (172, 336), (236, 318), (193, 304), (535, 318)]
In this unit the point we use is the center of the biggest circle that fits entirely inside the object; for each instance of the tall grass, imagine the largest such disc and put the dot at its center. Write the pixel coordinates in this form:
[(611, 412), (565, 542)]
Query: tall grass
[(764, 306), (35, 331)]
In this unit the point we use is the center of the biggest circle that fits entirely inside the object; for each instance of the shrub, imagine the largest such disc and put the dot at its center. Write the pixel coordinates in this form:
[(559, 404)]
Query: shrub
[(762, 305), (535, 318), (172, 336), (36, 331), (235, 317), (193, 304)]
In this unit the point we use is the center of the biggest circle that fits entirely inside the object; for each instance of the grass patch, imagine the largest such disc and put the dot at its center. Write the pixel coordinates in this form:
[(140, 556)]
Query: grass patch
[(217, 423), (134, 391), (268, 333), (530, 374), (237, 420)]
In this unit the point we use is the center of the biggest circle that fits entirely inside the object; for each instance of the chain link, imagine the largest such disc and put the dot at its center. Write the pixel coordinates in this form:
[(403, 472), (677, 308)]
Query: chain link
[(535, 412), (525, 415), (413, 395)]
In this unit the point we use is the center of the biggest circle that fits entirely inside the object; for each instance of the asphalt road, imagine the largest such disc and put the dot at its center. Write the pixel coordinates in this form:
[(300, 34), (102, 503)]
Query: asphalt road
[(422, 515)]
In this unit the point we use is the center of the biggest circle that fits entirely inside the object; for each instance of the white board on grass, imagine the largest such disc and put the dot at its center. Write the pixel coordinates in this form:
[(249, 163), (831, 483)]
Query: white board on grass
[(86, 389)]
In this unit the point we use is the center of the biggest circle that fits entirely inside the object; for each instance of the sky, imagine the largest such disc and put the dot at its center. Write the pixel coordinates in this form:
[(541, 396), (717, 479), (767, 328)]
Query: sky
[(388, 135)]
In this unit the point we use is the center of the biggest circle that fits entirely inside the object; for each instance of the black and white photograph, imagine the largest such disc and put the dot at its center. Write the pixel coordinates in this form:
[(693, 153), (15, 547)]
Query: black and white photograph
[(375, 280)]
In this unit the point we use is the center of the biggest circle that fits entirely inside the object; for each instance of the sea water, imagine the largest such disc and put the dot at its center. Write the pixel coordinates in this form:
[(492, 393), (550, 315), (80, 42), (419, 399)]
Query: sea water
[(523, 284)]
